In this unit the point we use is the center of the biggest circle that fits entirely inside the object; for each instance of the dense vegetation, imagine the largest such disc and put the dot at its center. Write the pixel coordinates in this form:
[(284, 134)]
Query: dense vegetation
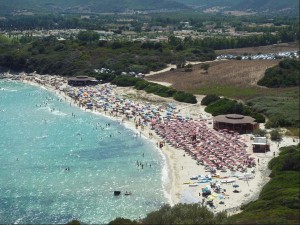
[(286, 74), (226, 106), (87, 6), (70, 57), (92, 6), (209, 99), (179, 214), (281, 108), (279, 201), (253, 5), (154, 88)]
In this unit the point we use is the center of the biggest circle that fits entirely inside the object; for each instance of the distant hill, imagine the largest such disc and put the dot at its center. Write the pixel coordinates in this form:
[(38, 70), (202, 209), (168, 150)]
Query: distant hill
[(100, 6), (253, 5), (87, 6), (269, 5)]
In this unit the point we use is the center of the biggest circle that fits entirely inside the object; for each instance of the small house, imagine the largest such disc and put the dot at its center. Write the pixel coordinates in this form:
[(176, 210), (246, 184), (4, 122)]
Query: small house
[(260, 144)]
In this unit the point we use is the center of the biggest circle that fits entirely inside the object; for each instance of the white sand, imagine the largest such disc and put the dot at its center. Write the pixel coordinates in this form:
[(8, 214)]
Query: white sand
[(180, 168)]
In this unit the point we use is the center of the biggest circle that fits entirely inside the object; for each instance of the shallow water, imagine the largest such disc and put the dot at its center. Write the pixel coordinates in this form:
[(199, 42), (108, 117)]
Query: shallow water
[(38, 141)]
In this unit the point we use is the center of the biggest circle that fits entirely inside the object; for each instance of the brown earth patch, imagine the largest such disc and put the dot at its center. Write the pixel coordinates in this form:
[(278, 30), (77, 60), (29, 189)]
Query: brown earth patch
[(236, 73)]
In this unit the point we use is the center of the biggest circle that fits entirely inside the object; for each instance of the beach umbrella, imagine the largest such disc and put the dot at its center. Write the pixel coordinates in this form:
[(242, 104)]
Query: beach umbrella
[(215, 195), (210, 198), (221, 196)]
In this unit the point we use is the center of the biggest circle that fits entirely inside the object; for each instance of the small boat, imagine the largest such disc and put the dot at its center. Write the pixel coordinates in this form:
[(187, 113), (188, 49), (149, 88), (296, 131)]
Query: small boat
[(117, 193), (128, 193), (193, 185), (194, 178), (187, 182), (228, 181), (203, 181)]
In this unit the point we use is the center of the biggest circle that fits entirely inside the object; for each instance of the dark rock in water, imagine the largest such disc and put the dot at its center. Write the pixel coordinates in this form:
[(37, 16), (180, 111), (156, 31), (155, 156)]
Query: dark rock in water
[(117, 193)]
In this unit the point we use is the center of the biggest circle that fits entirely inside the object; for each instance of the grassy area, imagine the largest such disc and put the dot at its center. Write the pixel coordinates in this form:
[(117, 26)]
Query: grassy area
[(228, 91), (284, 103)]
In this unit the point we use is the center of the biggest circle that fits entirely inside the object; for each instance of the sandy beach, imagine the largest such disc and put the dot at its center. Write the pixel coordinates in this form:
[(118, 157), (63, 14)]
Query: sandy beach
[(181, 165)]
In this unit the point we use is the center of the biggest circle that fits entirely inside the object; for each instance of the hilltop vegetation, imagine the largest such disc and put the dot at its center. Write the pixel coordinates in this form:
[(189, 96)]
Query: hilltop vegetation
[(279, 201), (96, 6), (83, 55), (87, 6), (285, 74)]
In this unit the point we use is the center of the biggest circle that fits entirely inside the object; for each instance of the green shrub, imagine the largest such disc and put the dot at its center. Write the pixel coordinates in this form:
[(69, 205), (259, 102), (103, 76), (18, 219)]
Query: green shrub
[(141, 84), (125, 81), (227, 106), (209, 99), (221, 106), (275, 135), (184, 214), (259, 118), (286, 74), (105, 77), (259, 132), (59, 47), (122, 221), (288, 159), (182, 96), (278, 121)]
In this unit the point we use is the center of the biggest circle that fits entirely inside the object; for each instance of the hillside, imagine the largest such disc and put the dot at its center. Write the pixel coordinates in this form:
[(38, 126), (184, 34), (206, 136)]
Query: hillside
[(286, 74), (87, 6), (278, 202), (101, 6), (251, 5)]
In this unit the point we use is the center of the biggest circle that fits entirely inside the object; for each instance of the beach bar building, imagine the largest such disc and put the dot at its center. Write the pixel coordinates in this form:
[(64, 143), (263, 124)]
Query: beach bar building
[(82, 81), (235, 122), (260, 144)]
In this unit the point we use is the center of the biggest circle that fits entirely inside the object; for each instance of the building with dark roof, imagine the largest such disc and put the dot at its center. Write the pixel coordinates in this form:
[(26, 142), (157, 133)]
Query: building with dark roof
[(235, 122), (260, 144), (82, 81)]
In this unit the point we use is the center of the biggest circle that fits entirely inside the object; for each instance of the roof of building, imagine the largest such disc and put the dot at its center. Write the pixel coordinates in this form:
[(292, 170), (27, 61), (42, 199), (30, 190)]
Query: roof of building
[(260, 141), (82, 78), (234, 119)]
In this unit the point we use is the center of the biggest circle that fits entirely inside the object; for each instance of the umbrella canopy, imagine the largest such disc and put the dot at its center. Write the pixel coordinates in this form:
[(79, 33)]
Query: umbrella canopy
[(221, 196), (210, 198)]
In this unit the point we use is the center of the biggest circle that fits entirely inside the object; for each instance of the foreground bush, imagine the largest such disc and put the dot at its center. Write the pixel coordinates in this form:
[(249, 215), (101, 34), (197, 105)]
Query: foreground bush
[(184, 214), (279, 201)]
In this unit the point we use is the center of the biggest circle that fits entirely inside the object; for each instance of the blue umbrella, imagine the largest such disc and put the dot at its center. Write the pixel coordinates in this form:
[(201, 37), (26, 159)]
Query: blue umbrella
[(221, 196)]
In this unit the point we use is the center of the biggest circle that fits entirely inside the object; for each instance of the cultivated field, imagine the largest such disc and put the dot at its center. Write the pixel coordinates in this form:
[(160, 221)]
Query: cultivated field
[(233, 78)]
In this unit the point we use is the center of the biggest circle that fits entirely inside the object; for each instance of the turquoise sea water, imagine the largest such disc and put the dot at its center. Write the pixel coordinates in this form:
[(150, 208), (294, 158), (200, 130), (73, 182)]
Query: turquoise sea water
[(39, 139)]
